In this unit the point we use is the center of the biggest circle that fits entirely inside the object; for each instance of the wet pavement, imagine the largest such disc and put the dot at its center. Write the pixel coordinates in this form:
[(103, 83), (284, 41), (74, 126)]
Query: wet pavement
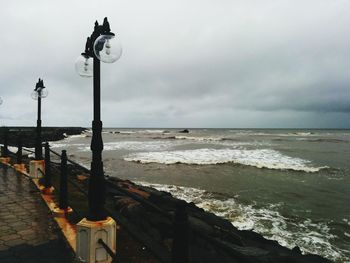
[(28, 232)]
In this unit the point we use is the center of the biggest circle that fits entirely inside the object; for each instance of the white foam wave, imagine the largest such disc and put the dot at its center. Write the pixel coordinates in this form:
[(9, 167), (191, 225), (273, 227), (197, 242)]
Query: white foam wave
[(12, 149), (127, 132), (260, 158), (152, 131), (133, 146), (81, 135), (311, 237), (65, 144), (193, 138), (287, 134)]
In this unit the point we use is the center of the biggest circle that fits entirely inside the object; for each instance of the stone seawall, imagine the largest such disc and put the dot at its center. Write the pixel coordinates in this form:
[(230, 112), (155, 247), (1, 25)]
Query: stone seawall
[(28, 134)]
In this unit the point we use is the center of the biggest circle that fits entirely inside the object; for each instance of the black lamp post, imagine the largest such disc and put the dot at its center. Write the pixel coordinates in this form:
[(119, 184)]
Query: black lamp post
[(4, 150), (39, 93), (101, 45)]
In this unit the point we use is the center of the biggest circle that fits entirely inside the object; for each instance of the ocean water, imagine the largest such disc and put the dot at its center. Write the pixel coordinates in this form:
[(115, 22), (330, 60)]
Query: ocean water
[(292, 186)]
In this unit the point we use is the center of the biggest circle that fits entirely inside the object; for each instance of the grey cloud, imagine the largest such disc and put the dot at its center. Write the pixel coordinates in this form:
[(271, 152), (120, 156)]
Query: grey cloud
[(253, 63)]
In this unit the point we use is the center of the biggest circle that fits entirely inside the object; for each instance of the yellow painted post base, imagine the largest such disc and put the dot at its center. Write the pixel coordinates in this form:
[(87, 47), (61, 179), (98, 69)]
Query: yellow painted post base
[(34, 166), (20, 167), (88, 234), (5, 160), (58, 212), (47, 190)]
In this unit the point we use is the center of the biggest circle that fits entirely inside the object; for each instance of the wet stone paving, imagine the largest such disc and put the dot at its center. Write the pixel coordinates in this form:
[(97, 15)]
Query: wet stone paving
[(28, 232)]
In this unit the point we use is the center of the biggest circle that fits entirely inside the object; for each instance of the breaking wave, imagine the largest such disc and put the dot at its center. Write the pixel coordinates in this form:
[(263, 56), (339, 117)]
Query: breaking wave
[(260, 158), (194, 138), (310, 236), (133, 145)]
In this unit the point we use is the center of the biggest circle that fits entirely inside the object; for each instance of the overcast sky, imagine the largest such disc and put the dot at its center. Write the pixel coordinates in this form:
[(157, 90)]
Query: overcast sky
[(185, 63)]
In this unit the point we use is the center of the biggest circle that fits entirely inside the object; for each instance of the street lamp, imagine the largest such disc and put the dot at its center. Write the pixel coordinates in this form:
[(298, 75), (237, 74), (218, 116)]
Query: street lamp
[(103, 46), (39, 92), (4, 133)]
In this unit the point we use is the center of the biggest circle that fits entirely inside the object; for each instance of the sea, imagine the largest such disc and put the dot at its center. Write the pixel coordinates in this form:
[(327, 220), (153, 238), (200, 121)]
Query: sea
[(290, 185)]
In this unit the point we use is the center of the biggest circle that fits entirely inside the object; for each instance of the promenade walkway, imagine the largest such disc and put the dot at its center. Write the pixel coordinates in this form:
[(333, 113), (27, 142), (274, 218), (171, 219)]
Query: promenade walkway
[(28, 233)]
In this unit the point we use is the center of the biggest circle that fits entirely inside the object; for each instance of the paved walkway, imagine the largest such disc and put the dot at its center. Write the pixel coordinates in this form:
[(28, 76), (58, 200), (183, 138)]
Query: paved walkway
[(28, 233)]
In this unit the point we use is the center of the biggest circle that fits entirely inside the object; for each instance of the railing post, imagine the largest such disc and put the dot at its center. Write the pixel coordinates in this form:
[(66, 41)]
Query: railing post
[(180, 249), (63, 199), (19, 150), (5, 159), (6, 151), (47, 181)]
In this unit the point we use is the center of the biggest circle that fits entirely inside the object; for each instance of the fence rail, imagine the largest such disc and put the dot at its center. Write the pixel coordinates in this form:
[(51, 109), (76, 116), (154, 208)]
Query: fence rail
[(108, 249)]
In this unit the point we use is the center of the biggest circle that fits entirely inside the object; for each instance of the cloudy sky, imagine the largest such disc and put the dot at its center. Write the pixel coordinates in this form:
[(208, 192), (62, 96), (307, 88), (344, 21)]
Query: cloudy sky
[(185, 63)]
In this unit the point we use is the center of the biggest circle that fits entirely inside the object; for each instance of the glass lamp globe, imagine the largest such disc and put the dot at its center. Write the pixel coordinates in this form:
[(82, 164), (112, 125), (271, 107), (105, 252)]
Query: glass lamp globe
[(42, 94), (84, 66), (107, 48), (34, 95)]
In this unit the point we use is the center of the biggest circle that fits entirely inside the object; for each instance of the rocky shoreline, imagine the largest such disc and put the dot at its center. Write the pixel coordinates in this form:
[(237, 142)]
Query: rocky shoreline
[(162, 221)]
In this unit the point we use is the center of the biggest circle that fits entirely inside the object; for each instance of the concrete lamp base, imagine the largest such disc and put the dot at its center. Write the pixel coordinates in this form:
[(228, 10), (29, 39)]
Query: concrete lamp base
[(5, 160), (34, 166), (47, 190), (88, 234), (20, 167)]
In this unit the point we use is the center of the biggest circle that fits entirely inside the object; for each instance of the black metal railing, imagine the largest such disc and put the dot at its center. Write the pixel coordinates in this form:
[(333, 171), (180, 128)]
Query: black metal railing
[(47, 176), (157, 249), (63, 197), (19, 150), (108, 250)]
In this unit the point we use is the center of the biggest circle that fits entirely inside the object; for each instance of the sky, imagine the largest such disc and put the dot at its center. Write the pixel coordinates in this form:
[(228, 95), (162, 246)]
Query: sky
[(185, 63)]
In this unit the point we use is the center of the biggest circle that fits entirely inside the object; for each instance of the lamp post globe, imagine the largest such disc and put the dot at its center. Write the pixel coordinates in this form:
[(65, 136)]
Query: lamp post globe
[(84, 66), (107, 48), (103, 46)]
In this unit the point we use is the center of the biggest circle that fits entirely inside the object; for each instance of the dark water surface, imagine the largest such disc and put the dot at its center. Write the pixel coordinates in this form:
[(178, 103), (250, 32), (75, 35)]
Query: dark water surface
[(292, 186)]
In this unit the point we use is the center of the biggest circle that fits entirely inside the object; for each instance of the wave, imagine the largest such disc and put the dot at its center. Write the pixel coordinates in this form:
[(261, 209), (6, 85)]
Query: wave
[(154, 131), (331, 140), (126, 132), (261, 133), (260, 158), (132, 145), (193, 138), (310, 236), (198, 139), (221, 140)]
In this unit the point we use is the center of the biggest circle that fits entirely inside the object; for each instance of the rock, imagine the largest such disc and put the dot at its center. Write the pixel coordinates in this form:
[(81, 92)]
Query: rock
[(184, 131)]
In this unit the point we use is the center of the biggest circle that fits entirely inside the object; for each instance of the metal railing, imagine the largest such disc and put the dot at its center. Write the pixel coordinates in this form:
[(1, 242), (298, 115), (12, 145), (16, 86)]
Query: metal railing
[(157, 249), (108, 250)]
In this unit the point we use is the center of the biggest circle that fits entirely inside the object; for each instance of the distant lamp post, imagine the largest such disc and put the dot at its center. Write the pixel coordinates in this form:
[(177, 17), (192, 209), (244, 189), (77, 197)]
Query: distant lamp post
[(39, 92), (4, 150), (103, 46)]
